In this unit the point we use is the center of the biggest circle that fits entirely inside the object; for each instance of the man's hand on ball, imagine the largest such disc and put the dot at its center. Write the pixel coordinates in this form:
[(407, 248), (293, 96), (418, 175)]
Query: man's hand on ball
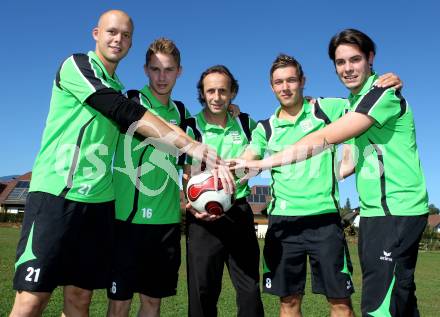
[(226, 177), (202, 215)]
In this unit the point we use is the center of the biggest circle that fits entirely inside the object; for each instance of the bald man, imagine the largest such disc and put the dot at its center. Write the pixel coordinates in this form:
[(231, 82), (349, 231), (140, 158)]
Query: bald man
[(66, 238)]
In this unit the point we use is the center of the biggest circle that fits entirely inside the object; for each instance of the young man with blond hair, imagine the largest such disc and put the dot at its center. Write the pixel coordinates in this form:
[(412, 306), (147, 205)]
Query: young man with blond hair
[(147, 251)]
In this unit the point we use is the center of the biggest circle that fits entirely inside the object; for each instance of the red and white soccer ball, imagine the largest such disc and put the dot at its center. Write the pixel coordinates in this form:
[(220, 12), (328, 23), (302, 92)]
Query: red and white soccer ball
[(203, 197)]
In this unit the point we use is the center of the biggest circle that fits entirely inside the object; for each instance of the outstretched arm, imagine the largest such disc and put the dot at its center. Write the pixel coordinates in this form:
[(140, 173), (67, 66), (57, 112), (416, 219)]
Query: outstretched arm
[(244, 174), (350, 125), (131, 115)]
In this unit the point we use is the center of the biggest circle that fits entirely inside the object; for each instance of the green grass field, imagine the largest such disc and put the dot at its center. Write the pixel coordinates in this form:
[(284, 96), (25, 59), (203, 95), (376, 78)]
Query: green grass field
[(427, 279)]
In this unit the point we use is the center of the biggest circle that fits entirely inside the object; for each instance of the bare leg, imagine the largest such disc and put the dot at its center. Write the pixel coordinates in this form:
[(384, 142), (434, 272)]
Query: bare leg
[(29, 304), (290, 306), (150, 306), (340, 307), (118, 308), (76, 301)]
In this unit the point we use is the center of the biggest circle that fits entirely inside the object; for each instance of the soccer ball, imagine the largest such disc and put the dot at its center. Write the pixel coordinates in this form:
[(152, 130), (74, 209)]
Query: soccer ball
[(203, 197)]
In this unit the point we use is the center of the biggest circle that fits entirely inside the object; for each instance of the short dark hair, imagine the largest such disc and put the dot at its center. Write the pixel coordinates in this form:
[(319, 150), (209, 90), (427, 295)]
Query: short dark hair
[(284, 60), (221, 69), (351, 36)]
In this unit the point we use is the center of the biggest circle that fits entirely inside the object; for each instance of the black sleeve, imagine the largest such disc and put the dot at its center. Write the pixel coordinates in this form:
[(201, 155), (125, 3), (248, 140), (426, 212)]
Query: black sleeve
[(116, 107)]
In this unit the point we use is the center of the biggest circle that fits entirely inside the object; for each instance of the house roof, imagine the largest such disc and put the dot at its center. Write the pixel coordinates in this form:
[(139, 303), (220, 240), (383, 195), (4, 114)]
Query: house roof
[(433, 220), (16, 190), (2, 186)]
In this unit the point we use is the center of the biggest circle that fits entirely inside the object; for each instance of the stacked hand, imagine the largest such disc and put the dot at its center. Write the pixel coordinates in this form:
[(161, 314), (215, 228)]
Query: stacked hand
[(244, 169)]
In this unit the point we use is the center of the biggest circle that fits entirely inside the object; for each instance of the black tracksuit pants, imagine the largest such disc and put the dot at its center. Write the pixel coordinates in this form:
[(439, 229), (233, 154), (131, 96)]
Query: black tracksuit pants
[(231, 240)]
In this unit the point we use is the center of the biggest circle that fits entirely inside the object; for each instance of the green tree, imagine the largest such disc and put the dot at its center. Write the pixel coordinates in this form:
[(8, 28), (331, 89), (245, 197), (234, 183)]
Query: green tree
[(347, 208), (347, 204)]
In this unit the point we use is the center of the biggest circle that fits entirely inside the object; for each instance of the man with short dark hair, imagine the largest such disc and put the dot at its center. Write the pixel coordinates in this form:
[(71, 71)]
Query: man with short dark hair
[(304, 219), (394, 201), (390, 180), (213, 240)]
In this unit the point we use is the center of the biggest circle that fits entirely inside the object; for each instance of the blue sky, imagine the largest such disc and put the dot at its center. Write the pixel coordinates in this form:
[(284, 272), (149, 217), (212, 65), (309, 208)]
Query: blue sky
[(244, 35)]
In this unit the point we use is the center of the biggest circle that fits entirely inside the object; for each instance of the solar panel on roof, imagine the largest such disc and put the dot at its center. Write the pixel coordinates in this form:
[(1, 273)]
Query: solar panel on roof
[(17, 193), (22, 184)]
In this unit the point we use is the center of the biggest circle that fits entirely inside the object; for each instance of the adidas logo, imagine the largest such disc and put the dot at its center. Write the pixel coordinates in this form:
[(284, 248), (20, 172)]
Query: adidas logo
[(386, 256), (348, 286)]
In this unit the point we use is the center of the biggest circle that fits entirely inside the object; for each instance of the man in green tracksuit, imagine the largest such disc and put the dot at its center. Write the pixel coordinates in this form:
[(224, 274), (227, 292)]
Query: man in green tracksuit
[(213, 241), (146, 258), (304, 216), (389, 177)]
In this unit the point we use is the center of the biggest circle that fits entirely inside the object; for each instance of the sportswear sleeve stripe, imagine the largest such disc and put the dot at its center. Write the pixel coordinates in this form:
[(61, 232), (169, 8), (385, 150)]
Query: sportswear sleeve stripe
[(196, 129), (267, 128), (320, 114), (85, 68), (403, 103), (383, 191), (370, 100), (58, 75), (181, 109), (190, 124), (244, 121)]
